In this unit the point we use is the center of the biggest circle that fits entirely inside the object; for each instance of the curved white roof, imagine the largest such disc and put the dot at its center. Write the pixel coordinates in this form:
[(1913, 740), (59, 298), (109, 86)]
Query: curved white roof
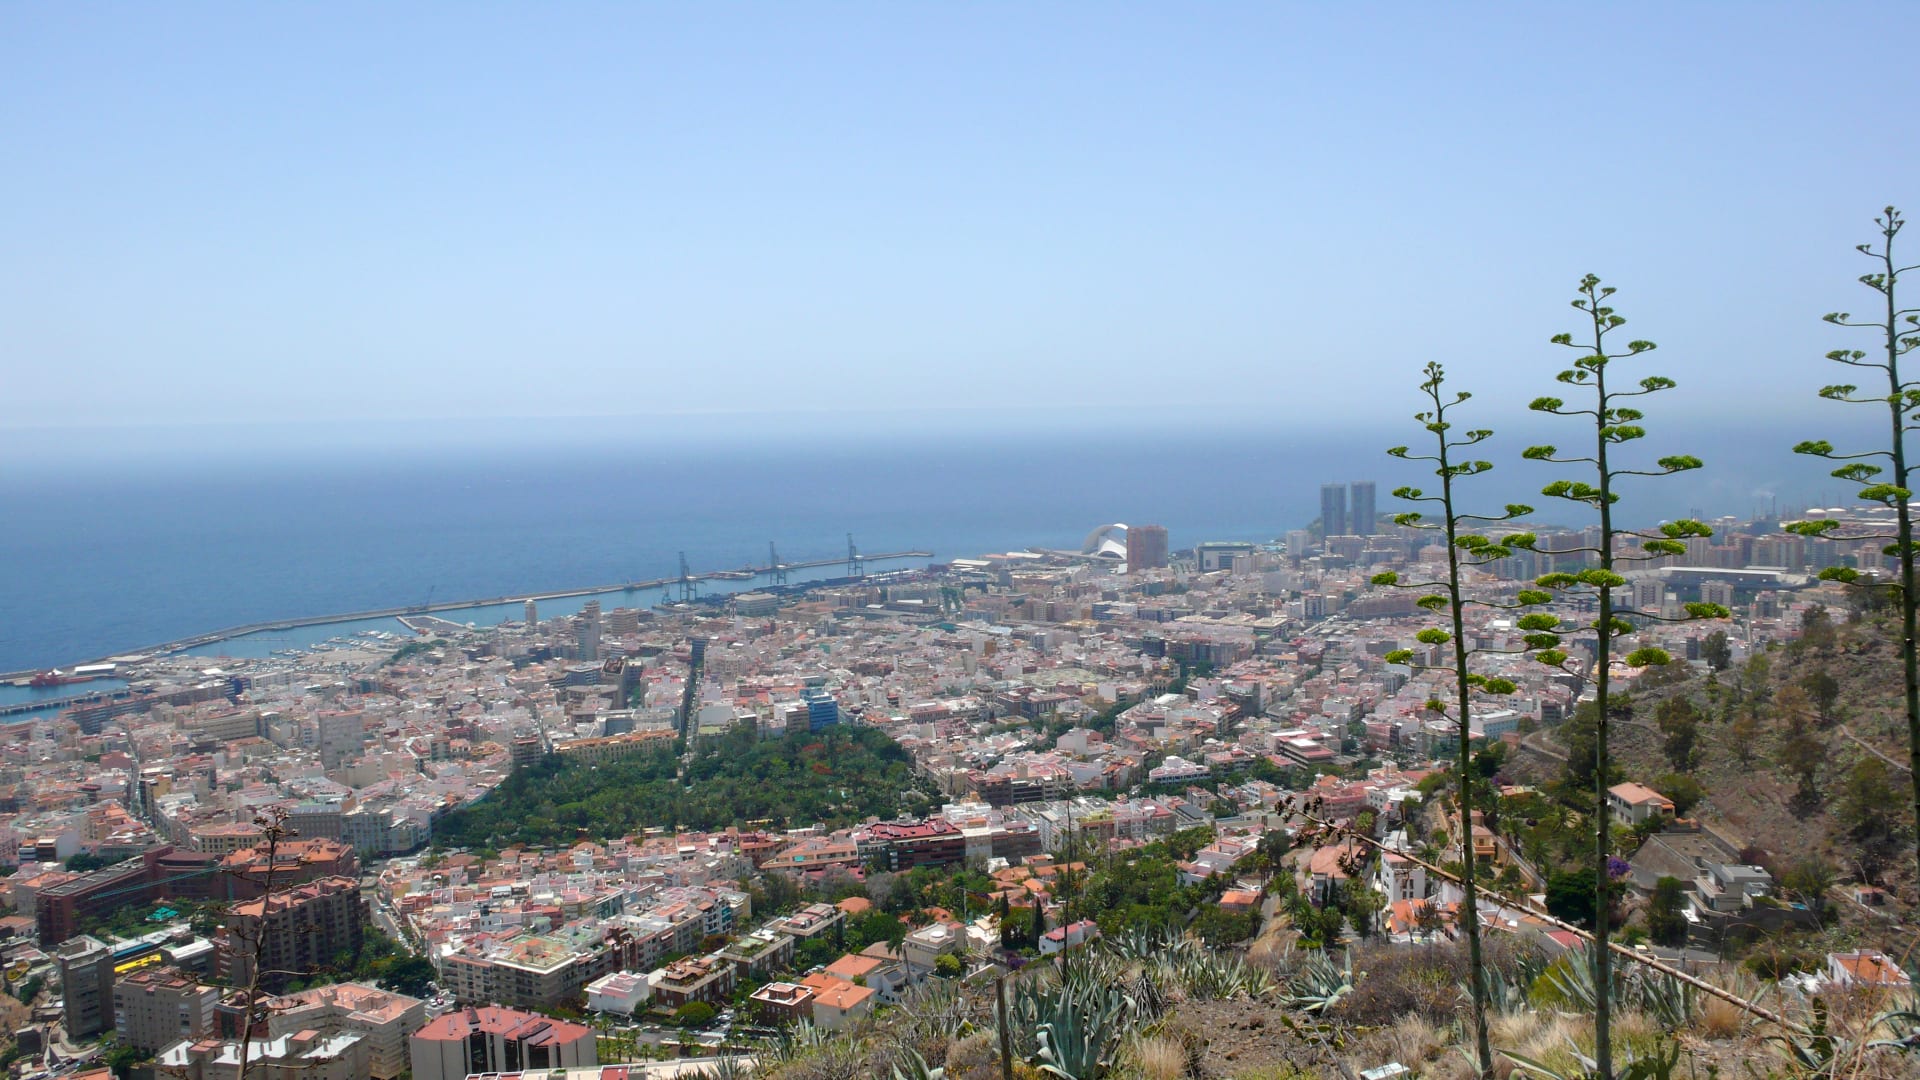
[(1106, 542)]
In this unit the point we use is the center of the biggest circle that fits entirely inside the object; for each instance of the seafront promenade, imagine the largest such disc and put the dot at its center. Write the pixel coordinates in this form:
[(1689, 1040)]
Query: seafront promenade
[(243, 630)]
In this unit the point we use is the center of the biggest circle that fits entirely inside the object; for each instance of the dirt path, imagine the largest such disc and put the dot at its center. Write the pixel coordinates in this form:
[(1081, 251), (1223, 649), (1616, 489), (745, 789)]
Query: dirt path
[(1868, 747)]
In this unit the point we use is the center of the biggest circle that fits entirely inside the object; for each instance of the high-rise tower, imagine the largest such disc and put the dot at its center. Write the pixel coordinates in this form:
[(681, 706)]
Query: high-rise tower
[(1333, 509), (590, 631), (1363, 521), (1146, 547)]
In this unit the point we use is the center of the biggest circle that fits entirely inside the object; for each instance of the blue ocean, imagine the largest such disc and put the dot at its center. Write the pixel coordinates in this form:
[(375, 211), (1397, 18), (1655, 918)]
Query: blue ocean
[(103, 557)]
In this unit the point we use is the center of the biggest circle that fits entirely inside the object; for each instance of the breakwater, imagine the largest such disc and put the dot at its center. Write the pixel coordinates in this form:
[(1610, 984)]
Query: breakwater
[(199, 640)]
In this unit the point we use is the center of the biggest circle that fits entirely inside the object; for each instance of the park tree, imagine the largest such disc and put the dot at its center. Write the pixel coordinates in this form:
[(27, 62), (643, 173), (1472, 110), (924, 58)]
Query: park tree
[(1817, 633), (1665, 923), (1810, 879), (1862, 803), (1754, 684), (1465, 548), (1682, 790), (1579, 735), (1896, 332), (1742, 732), (1570, 896), (1717, 651), (1800, 749), (694, 1014), (1615, 424), (1362, 904), (1679, 723), (1823, 691)]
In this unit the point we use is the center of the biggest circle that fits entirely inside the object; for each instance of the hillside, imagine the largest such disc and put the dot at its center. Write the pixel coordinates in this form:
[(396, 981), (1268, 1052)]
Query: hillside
[(1799, 751), (838, 776)]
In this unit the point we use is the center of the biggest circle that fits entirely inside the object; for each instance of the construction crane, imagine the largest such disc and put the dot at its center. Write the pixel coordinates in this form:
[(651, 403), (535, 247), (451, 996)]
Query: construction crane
[(689, 585), (774, 566)]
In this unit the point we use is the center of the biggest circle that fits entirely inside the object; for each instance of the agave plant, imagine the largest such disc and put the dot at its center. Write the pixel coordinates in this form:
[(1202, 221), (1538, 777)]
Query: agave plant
[(726, 1068), (1509, 989), (1904, 1020), (1317, 985), (1659, 1065), (1149, 1001), (1144, 943), (1071, 1025), (1078, 1043), (1819, 1053), (915, 1067), (797, 1040), (934, 1011), (1671, 1003), (1573, 980)]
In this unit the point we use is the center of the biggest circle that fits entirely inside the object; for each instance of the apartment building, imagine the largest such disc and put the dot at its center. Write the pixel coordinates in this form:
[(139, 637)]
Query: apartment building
[(809, 922), (245, 873), (497, 1040), (907, 844), (924, 946), (86, 985), (293, 931), (382, 1018), (532, 971), (783, 1003), (155, 1007), (305, 1055), (697, 978), (761, 953)]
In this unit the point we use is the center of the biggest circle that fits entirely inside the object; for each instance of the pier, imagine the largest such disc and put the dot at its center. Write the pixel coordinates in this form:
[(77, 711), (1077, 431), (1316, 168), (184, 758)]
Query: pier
[(194, 642), (98, 697)]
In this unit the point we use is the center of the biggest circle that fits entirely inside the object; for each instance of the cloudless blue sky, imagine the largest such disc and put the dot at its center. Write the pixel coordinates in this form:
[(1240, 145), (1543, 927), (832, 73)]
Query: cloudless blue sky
[(218, 213)]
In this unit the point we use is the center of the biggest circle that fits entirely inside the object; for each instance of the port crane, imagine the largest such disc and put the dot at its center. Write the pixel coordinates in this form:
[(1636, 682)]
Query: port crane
[(856, 566), (689, 585), (775, 567)]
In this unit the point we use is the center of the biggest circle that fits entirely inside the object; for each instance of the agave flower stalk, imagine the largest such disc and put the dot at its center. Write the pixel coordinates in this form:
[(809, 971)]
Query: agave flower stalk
[(1899, 334), (1614, 424), (1464, 549)]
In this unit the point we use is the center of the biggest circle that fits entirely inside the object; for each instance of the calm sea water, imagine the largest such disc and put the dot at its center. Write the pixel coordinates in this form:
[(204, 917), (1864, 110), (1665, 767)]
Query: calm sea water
[(104, 560)]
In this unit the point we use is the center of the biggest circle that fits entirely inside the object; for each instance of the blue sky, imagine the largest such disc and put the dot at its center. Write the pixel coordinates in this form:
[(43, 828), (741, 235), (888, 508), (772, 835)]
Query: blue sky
[(329, 213)]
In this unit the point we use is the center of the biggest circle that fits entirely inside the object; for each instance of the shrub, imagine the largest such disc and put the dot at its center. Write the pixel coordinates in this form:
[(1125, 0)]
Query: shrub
[(694, 1014), (1402, 981), (1776, 962)]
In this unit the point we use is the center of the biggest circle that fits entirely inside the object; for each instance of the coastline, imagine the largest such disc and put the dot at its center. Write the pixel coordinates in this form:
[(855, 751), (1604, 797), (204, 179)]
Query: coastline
[(725, 581)]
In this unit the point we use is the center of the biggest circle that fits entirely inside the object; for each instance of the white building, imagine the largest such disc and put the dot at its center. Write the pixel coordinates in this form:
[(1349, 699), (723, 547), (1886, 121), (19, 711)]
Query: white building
[(308, 1055), (1400, 878), (383, 1018), (1062, 938), (618, 992)]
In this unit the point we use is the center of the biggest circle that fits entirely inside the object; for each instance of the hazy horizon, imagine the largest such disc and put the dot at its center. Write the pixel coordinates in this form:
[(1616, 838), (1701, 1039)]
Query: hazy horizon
[(1747, 462)]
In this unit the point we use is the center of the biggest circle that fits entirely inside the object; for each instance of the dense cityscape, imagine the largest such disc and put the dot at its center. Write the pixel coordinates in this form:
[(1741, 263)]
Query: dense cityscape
[(1074, 541), (391, 834)]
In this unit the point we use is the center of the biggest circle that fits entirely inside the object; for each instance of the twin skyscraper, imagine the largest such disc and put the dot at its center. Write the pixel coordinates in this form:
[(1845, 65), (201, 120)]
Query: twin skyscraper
[(1340, 516)]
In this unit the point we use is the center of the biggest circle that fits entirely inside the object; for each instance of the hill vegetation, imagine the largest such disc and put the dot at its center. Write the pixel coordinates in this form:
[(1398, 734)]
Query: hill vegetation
[(834, 777), (1794, 751)]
